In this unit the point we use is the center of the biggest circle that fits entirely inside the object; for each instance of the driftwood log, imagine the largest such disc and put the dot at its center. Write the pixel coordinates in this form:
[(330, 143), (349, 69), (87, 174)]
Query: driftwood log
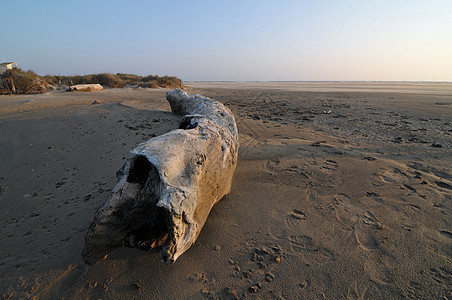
[(168, 185), (85, 87)]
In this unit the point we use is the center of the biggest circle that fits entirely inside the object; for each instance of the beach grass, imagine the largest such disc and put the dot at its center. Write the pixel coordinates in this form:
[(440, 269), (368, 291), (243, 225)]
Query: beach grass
[(18, 81)]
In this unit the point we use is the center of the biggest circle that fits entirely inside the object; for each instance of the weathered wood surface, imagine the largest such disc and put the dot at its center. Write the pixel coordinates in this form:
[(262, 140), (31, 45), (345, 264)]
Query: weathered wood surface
[(168, 185)]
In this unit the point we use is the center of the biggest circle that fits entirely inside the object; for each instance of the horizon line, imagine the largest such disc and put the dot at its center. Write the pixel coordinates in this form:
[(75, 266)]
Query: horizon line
[(351, 81)]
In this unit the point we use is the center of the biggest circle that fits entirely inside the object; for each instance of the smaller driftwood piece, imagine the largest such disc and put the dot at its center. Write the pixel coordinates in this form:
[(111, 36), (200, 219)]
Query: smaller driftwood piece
[(85, 87), (168, 185)]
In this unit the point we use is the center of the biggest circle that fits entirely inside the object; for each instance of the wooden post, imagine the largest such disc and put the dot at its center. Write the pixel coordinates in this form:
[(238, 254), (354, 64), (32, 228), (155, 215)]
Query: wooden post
[(13, 88)]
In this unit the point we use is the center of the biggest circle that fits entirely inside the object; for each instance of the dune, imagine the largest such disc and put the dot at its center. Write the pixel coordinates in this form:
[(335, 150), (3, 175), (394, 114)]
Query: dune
[(338, 193)]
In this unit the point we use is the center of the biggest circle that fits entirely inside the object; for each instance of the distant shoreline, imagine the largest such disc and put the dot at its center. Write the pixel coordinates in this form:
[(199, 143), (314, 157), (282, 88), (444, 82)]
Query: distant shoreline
[(432, 88), (320, 81)]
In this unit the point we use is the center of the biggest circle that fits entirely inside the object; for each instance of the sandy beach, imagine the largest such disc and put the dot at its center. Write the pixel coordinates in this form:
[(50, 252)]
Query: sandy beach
[(342, 190)]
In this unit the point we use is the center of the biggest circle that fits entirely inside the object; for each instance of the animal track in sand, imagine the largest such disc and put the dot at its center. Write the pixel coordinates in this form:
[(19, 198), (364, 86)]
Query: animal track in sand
[(335, 181), (365, 240), (330, 165), (446, 233), (443, 174), (298, 215), (355, 293), (443, 185), (294, 218), (258, 271), (273, 165), (441, 275), (375, 196), (346, 213), (392, 176), (395, 176), (328, 174), (414, 207), (205, 283), (289, 172), (378, 272), (287, 166), (304, 244), (438, 244), (349, 216), (315, 174), (340, 199), (409, 187), (416, 291), (364, 231), (371, 220)]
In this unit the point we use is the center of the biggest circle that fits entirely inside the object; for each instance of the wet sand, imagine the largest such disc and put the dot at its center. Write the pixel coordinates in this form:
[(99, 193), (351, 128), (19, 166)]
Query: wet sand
[(337, 194)]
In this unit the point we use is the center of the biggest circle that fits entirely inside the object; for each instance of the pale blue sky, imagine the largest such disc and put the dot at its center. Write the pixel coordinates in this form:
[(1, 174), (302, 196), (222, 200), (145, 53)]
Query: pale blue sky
[(233, 40)]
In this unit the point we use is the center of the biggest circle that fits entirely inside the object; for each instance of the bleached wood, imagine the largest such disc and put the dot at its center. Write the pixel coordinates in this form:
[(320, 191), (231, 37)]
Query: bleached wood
[(168, 185)]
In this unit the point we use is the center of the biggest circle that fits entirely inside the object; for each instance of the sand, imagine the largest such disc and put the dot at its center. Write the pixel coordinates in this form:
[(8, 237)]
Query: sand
[(339, 193)]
